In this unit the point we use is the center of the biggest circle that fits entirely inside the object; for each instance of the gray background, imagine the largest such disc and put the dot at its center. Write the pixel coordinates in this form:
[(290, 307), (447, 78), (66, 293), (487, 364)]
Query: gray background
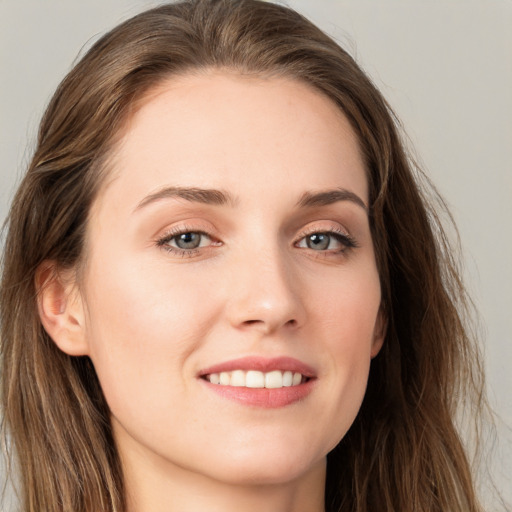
[(444, 65)]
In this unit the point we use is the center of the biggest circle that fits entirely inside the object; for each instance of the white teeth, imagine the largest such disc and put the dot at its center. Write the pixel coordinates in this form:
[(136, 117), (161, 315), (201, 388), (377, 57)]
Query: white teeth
[(238, 378), (297, 378), (255, 379), (274, 379)]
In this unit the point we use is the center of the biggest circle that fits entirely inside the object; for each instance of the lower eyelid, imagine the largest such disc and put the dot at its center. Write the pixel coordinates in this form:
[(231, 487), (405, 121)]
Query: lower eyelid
[(183, 253)]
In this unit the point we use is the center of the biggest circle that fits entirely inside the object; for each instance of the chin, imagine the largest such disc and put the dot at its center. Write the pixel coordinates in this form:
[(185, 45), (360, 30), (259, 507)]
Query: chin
[(264, 468)]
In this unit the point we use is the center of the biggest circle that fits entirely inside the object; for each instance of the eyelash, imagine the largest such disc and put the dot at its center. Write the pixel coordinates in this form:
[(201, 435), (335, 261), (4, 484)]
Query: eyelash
[(341, 236), (174, 233), (348, 242)]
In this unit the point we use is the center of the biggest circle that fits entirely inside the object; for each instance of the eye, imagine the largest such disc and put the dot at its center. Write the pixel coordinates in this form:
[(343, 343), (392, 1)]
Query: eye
[(185, 242), (326, 241), (189, 240), (319, 241)]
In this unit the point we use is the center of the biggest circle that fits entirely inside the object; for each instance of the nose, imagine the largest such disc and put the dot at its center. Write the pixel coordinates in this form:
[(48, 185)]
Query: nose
[(265, 293)]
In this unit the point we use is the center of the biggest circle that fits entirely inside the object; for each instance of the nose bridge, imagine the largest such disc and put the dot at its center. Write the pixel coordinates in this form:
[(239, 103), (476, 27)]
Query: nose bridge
[(264, 293)]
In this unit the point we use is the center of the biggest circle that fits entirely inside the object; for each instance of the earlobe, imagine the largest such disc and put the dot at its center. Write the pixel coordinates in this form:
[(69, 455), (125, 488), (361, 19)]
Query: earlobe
[(61, 309), (379, 333)]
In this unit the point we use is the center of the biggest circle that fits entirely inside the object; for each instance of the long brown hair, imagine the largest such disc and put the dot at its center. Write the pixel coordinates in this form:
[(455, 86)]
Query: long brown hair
[(403, 452)]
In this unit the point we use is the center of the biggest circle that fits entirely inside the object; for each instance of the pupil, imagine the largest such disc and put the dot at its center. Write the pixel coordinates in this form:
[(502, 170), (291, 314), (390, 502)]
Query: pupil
[(188, 240), (318, 241)]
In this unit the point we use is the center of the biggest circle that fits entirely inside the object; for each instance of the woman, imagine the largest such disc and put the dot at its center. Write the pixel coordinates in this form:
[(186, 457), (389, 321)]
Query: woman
[(223, 286)]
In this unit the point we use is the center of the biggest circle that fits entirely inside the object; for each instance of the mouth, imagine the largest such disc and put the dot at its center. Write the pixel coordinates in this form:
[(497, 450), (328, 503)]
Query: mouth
[(261, 382)]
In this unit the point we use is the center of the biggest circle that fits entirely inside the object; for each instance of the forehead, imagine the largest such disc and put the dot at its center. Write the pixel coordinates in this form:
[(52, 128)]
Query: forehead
[(225, 130)]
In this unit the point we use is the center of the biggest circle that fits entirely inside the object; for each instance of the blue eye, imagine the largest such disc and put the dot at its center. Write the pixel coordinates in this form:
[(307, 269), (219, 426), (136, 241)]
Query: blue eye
[(327, 241), (185, 241), (188, 240), (318, 241)]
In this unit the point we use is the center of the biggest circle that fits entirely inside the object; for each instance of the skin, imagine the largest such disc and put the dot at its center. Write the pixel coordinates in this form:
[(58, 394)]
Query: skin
[(151, 319)]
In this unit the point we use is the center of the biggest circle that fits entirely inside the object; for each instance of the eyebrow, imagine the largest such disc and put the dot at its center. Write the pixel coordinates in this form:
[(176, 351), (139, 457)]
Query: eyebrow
[(327, 197), (192, 194), (220, 197)]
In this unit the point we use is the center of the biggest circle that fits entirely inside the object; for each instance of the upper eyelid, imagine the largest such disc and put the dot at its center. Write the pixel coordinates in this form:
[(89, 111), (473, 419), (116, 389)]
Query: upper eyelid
[(316, 229), (333, 227), (174, 233), (175, 230)]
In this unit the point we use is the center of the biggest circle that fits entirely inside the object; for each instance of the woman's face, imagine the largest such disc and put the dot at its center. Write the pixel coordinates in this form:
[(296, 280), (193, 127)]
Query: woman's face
[(231, 250)]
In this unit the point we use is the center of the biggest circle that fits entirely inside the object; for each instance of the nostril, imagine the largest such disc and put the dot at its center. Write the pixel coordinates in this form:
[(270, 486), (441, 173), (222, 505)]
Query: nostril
[(291, 322), (268, 326), (252, 322)]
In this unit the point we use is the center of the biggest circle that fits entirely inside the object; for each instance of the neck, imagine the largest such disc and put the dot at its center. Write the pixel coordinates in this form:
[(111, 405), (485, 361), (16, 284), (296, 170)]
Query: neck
[(168, 497)]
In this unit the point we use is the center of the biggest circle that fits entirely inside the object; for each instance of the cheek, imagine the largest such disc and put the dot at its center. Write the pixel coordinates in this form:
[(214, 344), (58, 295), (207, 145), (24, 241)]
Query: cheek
[(142, 326), (145, 301), (348, 318), (349, 306)]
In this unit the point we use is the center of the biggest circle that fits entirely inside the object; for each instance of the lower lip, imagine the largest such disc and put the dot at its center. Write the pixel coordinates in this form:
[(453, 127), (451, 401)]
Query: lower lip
[(263, 397)]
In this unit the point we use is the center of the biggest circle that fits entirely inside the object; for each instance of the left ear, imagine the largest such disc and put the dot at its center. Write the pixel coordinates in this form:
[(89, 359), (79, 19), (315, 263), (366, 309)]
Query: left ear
[(379, 333)]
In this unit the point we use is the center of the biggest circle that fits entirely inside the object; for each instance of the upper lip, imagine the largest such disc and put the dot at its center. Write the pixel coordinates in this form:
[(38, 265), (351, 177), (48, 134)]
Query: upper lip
[(262, 364)]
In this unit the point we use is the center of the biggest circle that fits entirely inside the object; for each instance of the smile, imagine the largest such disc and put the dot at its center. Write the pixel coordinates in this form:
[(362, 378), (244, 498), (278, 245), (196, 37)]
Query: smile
[(256, 379), (261, 382)]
